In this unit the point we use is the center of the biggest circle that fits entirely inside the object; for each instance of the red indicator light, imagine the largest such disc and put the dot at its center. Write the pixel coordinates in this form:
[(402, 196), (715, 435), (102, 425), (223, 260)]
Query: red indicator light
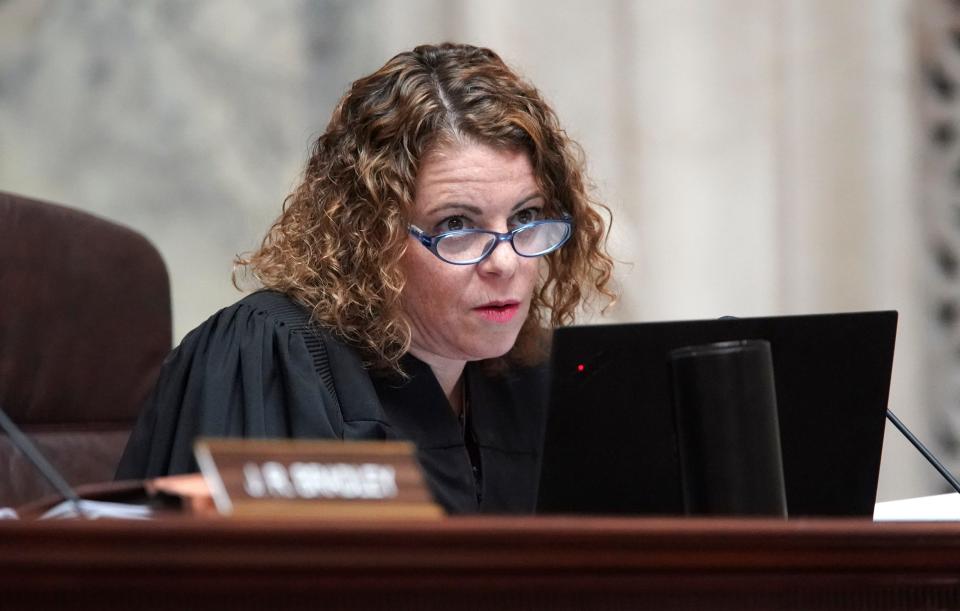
[(580, 368)]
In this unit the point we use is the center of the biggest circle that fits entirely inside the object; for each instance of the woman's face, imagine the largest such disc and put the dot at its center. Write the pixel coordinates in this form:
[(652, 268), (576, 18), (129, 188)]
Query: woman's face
[(470, 312)]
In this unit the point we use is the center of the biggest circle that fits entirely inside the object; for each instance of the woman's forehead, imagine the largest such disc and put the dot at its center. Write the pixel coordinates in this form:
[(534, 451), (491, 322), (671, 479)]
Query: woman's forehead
[(474, 171)]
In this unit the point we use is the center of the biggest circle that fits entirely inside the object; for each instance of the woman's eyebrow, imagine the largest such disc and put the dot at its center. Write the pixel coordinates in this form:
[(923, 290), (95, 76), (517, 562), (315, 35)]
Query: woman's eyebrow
[(447, 207), (523, 202), (457, 207)]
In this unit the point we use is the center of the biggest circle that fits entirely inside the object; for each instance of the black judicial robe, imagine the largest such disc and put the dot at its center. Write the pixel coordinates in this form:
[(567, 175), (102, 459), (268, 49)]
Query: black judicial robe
[(245, 372)]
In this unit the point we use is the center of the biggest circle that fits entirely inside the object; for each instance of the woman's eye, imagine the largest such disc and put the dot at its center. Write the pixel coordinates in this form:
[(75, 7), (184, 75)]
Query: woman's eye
[(454, 223), (528, 215)]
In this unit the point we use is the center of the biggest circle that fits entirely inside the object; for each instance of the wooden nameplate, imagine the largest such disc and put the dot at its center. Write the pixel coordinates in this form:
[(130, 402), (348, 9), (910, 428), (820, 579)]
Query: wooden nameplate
[(316, 479)]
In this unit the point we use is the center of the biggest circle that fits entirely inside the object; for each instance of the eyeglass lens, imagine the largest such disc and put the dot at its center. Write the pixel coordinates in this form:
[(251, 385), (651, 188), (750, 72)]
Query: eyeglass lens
[(529, 241)]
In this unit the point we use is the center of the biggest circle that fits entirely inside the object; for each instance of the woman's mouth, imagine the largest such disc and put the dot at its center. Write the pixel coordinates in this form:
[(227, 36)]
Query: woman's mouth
[(498, 312)]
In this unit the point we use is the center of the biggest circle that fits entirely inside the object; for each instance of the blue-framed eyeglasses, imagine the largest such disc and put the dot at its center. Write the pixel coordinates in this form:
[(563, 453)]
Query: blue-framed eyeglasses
[(469, 246)]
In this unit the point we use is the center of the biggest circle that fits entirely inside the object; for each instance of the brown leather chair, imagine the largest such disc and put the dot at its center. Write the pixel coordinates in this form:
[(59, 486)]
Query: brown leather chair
[(84, 328)]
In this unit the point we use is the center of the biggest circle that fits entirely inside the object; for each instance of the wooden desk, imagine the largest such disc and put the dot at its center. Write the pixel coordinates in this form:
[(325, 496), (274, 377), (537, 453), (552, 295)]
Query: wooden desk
[(481, 563)]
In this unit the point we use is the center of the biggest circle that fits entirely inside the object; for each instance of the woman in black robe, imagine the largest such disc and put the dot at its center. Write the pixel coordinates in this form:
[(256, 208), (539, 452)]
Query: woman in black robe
[(390, 306)]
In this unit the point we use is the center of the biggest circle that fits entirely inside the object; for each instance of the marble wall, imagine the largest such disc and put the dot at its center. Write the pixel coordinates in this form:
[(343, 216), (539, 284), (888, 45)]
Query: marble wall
[(188, 121), (759, 155), (939, 61)]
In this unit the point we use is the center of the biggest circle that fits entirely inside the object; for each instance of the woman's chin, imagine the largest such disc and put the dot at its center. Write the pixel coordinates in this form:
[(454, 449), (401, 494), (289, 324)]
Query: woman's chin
[(487, 352)]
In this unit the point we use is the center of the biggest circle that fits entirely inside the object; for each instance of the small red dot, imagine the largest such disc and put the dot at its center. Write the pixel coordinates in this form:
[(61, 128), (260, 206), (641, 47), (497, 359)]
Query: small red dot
[(580, 367)]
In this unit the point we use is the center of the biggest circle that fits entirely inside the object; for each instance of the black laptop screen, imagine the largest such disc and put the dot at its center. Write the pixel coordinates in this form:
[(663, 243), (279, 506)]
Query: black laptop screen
[(610, 445)]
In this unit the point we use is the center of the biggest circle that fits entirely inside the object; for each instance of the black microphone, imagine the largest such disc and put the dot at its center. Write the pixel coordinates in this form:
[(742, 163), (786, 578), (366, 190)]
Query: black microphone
[(923, 450), (23, 443)]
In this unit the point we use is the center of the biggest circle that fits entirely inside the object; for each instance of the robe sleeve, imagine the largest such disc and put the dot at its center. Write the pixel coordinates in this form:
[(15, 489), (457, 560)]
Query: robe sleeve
[(242, 373)]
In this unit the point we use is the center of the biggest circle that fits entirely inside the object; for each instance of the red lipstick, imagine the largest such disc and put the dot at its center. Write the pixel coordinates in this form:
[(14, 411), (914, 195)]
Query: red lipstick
[(498, 311)]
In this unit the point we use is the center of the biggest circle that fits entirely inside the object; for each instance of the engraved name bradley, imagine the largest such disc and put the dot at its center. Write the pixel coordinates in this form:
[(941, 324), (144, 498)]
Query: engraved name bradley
[(312, 480)]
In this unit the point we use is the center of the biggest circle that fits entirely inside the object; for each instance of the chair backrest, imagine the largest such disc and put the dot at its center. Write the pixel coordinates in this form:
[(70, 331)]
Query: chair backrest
[(84, 328)]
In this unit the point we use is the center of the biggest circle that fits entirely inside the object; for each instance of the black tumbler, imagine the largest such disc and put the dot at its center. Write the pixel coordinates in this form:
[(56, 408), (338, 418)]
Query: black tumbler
[(725, 406)]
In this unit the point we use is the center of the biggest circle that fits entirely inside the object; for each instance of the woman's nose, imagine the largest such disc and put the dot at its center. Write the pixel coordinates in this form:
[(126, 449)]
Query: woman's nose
[(503, 261)]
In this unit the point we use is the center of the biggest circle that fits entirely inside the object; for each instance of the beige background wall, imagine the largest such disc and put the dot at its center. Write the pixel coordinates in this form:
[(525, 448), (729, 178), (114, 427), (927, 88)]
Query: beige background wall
[(759, 155)]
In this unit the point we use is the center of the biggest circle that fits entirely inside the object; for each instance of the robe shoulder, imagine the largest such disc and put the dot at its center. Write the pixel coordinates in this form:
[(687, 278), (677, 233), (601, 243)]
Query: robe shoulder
[(247, 372)]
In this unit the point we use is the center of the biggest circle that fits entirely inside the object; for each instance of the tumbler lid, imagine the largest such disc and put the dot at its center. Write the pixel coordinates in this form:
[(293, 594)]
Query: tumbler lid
[(720, 348)]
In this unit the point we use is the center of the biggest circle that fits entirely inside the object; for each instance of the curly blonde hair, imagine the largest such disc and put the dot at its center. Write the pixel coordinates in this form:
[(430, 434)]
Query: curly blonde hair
[(337, 245)]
